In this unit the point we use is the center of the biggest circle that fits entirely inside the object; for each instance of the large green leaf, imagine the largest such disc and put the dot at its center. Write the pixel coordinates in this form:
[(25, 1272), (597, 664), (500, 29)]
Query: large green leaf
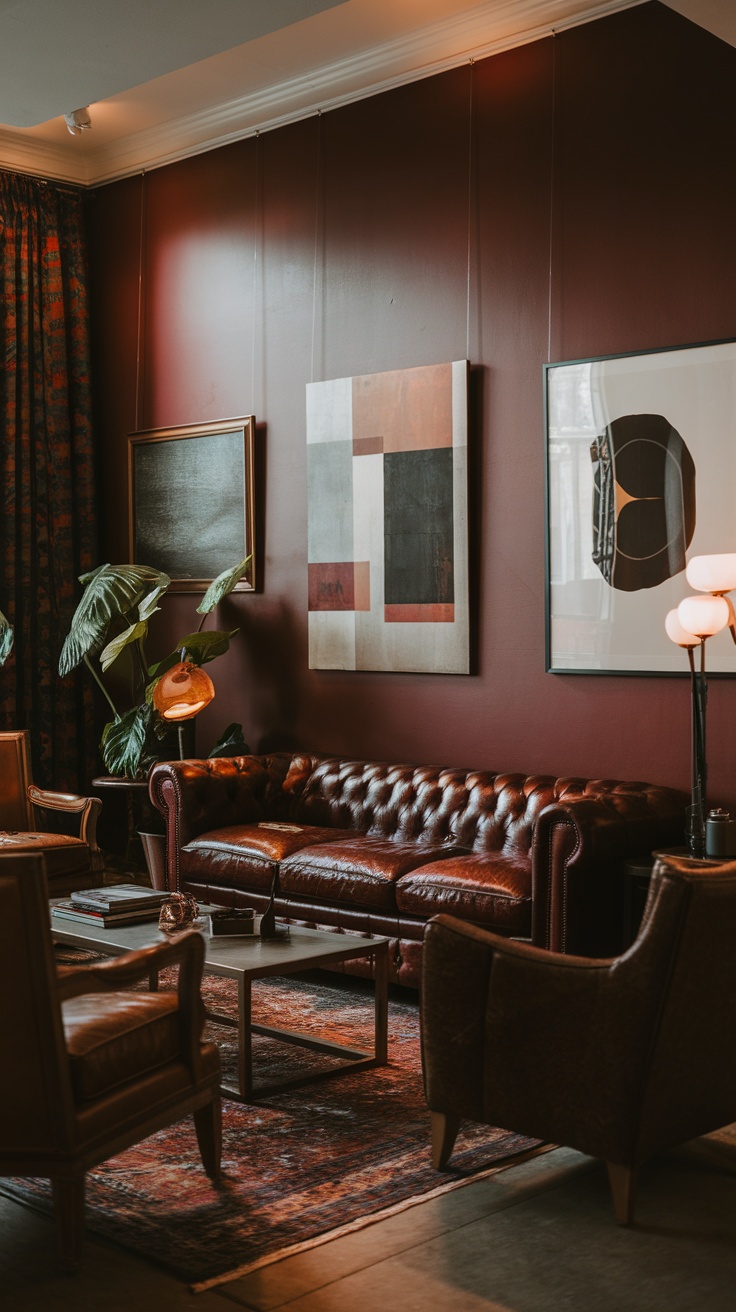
[(6, 638), (199, 647), (111, 592), (148, 606), (123, 741), (222, 586), (110, 653)]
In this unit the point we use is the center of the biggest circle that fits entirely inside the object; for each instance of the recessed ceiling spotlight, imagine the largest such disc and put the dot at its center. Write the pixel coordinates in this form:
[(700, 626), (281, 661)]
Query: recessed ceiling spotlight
[(78, 121)]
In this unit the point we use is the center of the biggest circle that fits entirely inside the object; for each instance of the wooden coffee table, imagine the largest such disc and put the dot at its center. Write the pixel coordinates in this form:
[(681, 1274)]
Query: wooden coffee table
[(248, 958)]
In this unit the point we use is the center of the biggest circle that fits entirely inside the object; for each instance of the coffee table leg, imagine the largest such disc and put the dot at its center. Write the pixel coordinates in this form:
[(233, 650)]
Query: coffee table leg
[(245, 1051), (381, 985)]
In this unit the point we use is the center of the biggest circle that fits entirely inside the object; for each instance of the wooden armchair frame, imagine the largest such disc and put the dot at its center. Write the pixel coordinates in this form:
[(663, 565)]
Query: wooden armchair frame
[(81, 858), (48, 1128)]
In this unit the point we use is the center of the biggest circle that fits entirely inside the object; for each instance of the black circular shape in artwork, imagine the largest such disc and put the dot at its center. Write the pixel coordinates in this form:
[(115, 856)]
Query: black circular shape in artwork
[(643, 501)]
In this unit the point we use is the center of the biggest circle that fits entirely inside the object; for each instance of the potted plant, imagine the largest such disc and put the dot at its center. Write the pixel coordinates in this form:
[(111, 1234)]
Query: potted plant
[(112, 618), (6, 638)]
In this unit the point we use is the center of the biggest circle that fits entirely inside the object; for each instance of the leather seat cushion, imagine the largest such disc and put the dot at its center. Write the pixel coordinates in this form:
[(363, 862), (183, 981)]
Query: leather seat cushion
[(61, 852), (245, 856), (113, 1038), (359, 871), (489, 889)]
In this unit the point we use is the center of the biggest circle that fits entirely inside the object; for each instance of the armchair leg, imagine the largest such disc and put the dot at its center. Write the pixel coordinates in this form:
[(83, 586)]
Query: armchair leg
[(623, 1181), (208, 1124), (444, 1134), (68, 1196)]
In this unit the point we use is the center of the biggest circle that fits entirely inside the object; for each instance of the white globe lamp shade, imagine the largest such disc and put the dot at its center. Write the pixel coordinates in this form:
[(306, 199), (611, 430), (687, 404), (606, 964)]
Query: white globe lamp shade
[(676, 633), (712, 573), (703, 615)]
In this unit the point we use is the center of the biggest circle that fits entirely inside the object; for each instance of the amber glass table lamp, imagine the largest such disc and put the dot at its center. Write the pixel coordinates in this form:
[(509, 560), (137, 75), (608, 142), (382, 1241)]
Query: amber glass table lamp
[(181, 693)]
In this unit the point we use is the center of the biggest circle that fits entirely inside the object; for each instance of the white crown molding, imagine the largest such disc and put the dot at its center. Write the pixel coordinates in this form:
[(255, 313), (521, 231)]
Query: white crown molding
[(19, 154), (487, 29)]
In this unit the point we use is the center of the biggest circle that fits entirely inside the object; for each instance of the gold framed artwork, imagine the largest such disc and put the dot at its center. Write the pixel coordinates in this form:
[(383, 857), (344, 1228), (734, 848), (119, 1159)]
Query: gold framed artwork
[(191, 501)]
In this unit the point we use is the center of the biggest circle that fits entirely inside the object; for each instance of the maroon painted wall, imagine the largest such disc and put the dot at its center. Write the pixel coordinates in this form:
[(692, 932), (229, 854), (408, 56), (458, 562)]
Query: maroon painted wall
[(598, 216)]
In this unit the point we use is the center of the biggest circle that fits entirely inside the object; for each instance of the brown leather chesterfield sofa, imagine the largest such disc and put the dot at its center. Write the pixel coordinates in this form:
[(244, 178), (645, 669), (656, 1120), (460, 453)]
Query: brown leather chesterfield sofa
[(366, 846)]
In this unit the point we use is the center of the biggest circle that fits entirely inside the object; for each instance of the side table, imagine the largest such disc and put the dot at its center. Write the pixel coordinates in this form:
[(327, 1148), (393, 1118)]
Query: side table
[(140, 816), (636, 875)]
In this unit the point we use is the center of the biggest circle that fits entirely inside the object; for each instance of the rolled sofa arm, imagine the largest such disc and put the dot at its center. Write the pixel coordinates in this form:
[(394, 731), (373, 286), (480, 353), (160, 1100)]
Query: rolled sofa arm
[(195, 797), (579, 847)]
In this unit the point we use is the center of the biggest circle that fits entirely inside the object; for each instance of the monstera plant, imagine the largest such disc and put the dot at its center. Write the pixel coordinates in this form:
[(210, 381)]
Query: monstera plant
[(112, 618)]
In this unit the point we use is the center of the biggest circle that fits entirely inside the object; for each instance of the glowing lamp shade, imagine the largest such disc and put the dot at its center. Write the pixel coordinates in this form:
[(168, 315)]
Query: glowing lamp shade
[(676, 633), (183, 692), (712, 573), (703, 615)]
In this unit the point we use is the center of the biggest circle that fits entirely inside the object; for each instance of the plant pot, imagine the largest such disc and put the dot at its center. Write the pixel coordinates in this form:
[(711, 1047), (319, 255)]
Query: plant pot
[(154, 850)]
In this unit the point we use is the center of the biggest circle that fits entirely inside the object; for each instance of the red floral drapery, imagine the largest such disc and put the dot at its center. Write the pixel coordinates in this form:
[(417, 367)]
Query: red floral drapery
[(47, 527)]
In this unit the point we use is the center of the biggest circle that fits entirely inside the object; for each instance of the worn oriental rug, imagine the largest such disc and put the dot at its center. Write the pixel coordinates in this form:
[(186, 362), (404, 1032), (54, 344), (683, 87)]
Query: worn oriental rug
[(298, 1167)]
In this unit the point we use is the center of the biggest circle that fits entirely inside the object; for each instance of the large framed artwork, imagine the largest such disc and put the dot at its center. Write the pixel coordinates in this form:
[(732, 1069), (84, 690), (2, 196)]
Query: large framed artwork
[(641, 475), (388, 521), (192, 501)]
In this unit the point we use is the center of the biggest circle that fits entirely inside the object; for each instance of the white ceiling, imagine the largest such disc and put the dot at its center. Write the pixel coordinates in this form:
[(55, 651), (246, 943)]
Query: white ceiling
[(169, 78)]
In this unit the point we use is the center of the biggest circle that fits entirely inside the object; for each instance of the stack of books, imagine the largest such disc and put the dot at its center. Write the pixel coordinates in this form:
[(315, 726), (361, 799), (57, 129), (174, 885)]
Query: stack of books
[(120, 904)]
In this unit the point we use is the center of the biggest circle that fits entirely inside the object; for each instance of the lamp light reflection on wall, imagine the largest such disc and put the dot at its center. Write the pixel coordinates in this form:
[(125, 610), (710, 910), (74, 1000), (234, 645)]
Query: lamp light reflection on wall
[(183, 692)]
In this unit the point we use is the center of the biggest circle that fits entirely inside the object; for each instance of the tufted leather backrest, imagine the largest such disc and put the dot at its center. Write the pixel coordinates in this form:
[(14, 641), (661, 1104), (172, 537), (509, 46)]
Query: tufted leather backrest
[(475, 809)]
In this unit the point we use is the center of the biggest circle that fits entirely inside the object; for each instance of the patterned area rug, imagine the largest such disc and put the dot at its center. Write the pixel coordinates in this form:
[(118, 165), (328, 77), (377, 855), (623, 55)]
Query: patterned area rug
[(298, 1166)]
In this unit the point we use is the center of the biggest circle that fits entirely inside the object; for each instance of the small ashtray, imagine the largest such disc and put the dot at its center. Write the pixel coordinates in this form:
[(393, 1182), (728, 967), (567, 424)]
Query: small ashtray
[(231, 921)]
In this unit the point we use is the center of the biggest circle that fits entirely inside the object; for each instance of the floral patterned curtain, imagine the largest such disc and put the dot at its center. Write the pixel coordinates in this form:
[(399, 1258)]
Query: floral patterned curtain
[(47, 526)]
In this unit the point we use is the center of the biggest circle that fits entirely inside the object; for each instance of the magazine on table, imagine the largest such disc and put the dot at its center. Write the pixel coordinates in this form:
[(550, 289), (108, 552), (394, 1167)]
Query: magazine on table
[(118, 897)]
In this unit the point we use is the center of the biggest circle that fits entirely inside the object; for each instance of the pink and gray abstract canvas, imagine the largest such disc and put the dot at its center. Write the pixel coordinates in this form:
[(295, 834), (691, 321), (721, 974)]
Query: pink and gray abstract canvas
[(388, 533)]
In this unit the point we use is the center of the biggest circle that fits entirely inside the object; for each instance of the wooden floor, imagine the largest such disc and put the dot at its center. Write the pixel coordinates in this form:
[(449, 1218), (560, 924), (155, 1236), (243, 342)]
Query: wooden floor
[(539, 1237)]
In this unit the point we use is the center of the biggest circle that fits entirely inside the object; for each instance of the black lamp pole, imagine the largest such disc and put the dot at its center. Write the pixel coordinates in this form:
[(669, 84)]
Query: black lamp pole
[(185, 730), (699, 696)]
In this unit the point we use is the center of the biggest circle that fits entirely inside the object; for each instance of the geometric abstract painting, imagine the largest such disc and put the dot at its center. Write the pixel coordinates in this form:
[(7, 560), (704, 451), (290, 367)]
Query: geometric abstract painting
[(388, 521)]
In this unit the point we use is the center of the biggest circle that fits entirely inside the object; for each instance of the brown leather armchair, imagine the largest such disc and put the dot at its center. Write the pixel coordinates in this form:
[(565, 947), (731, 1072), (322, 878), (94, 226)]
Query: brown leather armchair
[(618, 1058), (72, 861), (90, 1066)]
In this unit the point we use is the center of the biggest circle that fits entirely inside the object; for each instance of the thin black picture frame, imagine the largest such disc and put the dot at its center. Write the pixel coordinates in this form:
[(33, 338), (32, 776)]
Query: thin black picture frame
[(603, 631)]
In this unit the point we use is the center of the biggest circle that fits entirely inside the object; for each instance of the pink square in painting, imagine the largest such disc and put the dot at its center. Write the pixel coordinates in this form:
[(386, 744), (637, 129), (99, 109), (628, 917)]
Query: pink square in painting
[(340, 585)]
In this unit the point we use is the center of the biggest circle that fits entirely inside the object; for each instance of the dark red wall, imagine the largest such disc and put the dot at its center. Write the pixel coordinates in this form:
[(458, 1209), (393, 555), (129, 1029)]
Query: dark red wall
[(600, 217)]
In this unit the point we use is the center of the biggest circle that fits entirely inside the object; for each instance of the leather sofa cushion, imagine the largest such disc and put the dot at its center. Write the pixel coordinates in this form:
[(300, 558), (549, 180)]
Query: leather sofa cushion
[(491, 890), (113, 1038), (360, 871), (245, 856), (61, 852)]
